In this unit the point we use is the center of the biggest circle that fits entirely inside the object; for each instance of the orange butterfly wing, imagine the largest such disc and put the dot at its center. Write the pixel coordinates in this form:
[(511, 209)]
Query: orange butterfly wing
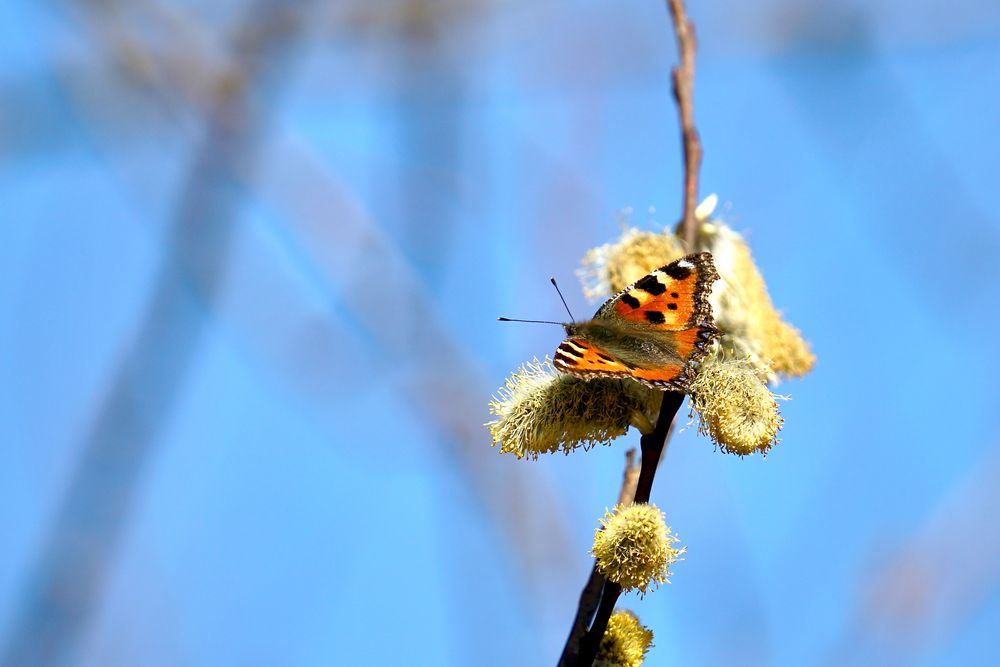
[(674, 377), (670, 303), (673, 297), (580, 357)]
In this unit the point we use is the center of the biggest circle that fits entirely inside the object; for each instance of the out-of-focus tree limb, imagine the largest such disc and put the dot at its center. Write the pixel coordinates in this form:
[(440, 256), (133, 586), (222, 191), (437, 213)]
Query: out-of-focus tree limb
[(65, 584), (347, 248)]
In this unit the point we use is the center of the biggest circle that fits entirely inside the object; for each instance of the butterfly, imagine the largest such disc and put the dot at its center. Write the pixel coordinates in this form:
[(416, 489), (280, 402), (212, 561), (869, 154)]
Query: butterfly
[(651, 331)]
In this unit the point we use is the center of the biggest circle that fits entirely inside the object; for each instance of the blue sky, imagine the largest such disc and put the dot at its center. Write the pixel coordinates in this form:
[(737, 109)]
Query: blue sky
[(253, 391)]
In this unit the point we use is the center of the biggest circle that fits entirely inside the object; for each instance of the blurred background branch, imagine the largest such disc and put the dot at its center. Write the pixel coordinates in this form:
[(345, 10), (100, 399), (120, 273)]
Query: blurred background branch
[(66, 583)]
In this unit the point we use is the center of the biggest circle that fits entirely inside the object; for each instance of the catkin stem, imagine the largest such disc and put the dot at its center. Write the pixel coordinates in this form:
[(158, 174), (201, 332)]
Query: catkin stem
[(652, 446), (653, 443)]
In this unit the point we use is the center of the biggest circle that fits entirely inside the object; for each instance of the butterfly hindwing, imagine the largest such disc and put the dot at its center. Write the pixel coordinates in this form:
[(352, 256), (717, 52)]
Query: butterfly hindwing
[(692, 344), (666, 376), (580, 357)]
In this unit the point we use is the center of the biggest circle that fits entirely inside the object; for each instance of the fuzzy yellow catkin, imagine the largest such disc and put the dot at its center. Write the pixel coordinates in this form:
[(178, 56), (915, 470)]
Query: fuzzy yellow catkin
[(542, 411), (743, 307), (634, 547), (734, 405), (610, 268), (625, 642)]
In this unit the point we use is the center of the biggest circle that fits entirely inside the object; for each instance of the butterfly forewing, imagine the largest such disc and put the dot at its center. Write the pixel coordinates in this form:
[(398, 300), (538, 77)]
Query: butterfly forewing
[(672, 298)]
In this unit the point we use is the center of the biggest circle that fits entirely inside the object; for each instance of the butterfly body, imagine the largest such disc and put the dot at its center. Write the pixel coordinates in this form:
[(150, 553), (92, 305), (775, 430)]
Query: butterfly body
[(629, 343), (651, 331)]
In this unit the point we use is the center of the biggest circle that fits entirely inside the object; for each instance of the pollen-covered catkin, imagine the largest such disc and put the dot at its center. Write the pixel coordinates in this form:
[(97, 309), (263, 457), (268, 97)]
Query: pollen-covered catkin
[(609, 268), (735, 407), (542, 411), (743, 307), (625, 642), (634, 547)]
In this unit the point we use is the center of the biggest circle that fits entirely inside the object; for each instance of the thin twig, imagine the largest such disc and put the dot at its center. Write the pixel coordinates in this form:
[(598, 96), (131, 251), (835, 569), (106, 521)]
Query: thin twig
[(592, 640), (683, 86), (629, 478), (654, 443), (591, 594), (590, 597), (652, 446)]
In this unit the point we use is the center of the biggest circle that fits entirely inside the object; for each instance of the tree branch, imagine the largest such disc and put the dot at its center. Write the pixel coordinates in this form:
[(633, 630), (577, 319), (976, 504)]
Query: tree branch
[(683, 86), (652, 446), (591, 594), (654, 443)]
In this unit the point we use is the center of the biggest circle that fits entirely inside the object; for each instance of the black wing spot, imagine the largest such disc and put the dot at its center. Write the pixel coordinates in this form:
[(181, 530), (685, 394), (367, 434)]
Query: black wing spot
[(676, 271), (631, 301), (674, 295), (655, 316), (651, 285), (672, 306)]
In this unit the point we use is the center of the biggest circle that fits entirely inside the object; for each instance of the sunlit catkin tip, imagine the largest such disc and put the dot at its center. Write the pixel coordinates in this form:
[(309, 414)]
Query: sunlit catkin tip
[(787, 351), (625, 642), (609, 268), (706, 208), (634, 547), (735, 407), (542, 411), (743, 308)]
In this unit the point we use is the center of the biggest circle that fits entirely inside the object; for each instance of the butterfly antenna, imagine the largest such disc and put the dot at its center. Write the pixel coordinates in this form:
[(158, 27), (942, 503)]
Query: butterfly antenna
[(559, 292), (508, 319)]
